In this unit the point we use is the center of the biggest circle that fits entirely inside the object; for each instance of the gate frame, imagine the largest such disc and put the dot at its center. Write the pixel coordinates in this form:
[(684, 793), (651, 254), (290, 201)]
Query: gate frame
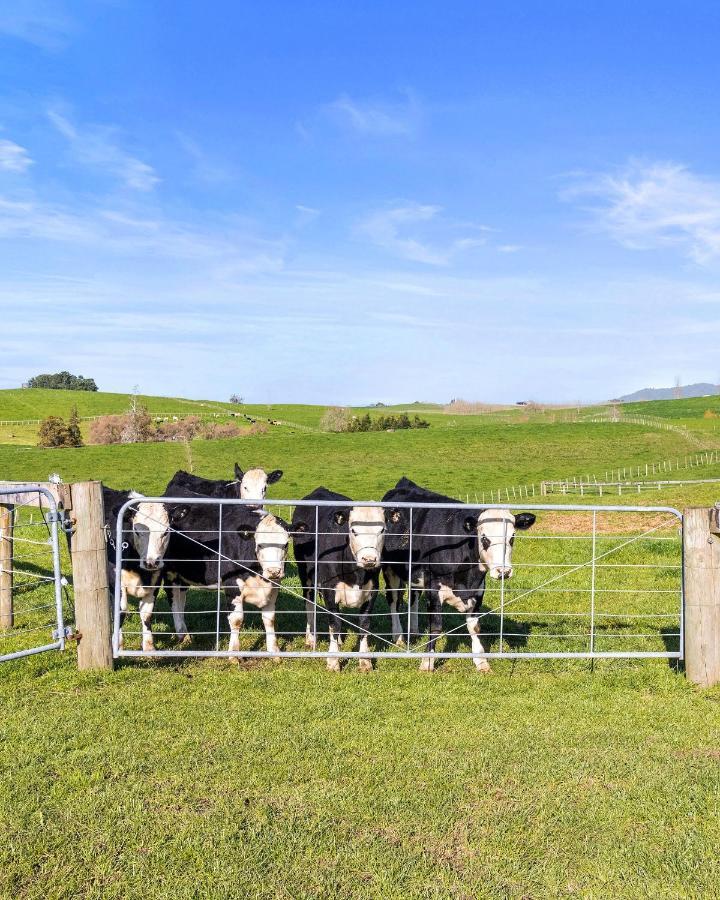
[(117, 652), (52, 519)]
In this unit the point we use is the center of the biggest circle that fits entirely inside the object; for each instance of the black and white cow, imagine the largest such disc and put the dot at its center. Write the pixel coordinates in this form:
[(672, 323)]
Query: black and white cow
[(146, 536), (453, 550), (250, 485), (348, 549), (247, 561)]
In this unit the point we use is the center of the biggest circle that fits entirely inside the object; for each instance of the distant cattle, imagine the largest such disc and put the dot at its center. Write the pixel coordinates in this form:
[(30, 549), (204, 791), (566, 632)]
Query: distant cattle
[(448, 556), (250, 485), (146, 536), (246, 561), (341, 559)]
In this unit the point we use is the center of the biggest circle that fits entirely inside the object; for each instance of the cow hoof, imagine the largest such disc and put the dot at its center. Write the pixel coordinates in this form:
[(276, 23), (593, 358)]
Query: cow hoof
[(365, 665), (310, 645), (483, 667), (333, 665), (184, 639), (427, 665), (399, 642), (148, 647)]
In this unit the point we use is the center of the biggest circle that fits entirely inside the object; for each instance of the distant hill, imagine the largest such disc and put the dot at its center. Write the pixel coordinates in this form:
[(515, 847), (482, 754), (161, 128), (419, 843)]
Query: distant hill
[(689, 390)]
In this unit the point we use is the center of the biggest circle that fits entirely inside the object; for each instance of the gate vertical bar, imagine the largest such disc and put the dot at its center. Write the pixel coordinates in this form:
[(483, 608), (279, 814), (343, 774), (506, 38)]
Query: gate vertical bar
[(592, 583), (502, 588), (315, 578), (7, 617), (57, 576), (410, 590), (219, 565)]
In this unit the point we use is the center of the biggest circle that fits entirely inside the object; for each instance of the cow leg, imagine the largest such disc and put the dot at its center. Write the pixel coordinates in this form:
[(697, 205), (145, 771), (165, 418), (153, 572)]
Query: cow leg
[(395, 591), (146, 612), (268, 618), (435, 611), (235, 620), (123, 612), (414, 601), (179, 597), (364, 663), (333, 663), (473, 627), (310, 619)]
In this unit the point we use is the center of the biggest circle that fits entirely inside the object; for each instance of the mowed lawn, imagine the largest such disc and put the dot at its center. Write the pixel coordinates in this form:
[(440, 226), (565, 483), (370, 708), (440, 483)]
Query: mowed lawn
[(280, 780)]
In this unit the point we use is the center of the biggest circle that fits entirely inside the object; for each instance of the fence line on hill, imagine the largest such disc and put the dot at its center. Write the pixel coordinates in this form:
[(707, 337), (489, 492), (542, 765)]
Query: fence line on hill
[(581, 484)]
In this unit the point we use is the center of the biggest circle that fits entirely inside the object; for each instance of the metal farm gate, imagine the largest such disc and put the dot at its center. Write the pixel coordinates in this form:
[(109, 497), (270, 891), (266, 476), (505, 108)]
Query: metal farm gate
[(588, 582), (31, 583)]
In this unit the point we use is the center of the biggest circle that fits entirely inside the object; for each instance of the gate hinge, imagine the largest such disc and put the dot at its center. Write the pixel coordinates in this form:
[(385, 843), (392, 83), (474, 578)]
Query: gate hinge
[(67, 632)]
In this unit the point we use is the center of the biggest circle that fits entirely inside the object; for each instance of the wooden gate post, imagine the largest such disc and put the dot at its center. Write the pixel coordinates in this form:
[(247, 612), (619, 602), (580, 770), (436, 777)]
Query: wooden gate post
[(7, 618), (89, 565), (701, 553)]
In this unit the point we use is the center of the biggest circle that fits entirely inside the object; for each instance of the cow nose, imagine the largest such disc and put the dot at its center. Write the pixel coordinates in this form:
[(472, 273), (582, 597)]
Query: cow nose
[(369, 559), (274, 573), (152, 562), (504, 571)]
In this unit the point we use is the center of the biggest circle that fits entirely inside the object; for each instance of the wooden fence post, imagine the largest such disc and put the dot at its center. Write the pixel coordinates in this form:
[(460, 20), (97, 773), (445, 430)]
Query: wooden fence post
[(89, 565), (701, 553), (7, 618)]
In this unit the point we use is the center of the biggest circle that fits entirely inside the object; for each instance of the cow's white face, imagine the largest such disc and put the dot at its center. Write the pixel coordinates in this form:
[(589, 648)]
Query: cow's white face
[(150, 533), (496, 536), (366, 525), (271, 545), (254, 482)]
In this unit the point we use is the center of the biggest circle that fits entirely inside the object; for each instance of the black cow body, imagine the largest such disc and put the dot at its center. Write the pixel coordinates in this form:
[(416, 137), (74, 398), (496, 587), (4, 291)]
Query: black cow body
[(144, 542), (329, 569), (218, 547), (453, 551)]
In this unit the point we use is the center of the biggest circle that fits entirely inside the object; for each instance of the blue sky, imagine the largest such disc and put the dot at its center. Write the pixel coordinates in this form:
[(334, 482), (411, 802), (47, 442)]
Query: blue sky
[(331, 202)]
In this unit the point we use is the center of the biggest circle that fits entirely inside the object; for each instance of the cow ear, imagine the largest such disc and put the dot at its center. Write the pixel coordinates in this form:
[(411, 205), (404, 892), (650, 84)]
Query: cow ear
[(523, 521), (238, 472), (178, 513), (274, 476), (470, 523), (340, 518)]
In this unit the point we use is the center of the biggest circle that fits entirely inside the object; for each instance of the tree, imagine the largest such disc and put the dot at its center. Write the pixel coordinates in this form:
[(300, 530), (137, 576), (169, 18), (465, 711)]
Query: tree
[(74, 436), (62, 381), (237, 399), (138, 427), (53, 432)]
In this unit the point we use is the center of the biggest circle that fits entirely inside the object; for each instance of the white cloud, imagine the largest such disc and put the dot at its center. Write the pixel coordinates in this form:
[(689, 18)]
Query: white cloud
[(651, 205), (95, 146), (13, 157), (388, 229), (38, 22), (376, 118)]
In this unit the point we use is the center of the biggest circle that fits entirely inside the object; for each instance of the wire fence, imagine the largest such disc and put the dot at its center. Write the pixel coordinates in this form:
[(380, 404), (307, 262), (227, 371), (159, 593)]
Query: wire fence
[(586, 582), (33, 595)]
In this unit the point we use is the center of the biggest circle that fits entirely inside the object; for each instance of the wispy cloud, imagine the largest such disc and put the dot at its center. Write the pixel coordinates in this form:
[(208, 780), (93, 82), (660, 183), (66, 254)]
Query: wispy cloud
[(204, 166), (389, 229), (376, 117), (225, 245), (96, 146), (13, 157), (650, 205), (39, 22)]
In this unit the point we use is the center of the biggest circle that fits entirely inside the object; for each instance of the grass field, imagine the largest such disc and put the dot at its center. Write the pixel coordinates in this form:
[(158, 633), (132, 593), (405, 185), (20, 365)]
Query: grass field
[(279, 780)]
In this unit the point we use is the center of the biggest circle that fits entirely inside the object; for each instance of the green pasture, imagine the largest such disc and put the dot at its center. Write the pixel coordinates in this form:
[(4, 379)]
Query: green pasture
[(209, 778)]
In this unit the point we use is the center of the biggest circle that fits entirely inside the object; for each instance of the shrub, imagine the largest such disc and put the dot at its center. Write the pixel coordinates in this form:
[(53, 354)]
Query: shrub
[(336, 418), (53, 432), (710, 414), (181, 430), (106, 430), (74, 435)]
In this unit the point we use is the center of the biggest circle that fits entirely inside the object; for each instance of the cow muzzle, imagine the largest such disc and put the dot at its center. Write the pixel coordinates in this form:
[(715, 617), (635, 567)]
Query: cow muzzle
[(151, 564), (500, 573)]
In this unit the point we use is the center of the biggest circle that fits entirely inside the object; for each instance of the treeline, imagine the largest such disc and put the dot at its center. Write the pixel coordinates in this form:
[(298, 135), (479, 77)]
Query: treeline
[(342, 420), (62, 381)]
